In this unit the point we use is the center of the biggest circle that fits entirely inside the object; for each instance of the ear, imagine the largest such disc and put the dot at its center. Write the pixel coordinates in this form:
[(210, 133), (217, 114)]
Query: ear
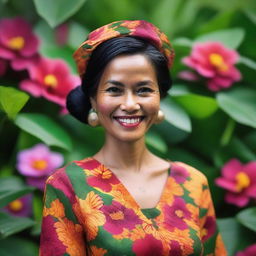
[(93, 103)]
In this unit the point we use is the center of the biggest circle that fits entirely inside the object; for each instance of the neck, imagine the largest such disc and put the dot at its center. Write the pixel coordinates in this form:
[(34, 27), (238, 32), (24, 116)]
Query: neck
[(128, 156)]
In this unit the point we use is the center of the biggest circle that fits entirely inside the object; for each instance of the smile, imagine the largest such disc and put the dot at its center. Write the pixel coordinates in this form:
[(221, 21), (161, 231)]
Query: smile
[(129, 121)]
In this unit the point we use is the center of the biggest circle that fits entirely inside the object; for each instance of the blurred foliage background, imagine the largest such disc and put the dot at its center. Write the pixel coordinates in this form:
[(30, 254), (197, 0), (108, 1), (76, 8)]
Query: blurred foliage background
[(203, 128)]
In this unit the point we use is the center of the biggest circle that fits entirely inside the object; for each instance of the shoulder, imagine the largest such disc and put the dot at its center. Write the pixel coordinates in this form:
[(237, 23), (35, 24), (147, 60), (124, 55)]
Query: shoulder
[(64, 174), (193, 174)]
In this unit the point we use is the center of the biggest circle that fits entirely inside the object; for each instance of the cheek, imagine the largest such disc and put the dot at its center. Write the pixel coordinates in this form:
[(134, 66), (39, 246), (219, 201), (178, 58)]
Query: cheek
[(152, 106)]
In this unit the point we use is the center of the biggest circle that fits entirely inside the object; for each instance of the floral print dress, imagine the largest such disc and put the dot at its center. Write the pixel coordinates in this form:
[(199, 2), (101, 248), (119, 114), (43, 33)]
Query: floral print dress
[(88, 211)]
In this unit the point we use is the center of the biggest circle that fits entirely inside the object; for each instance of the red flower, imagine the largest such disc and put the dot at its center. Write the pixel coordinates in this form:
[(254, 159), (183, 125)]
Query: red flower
[(102, 178), (249, 251), (147, 246), (50, 79), (215, 62), (18, 43), (209, 228), (239, 180), (119, 217), (176, 214)]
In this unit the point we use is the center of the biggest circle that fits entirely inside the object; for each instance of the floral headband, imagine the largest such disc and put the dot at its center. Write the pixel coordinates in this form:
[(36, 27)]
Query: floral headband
[(138, 28)]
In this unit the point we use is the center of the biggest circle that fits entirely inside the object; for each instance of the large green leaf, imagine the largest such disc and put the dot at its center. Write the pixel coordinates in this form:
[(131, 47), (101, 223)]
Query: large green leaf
[(234, 235), (154, 140), (175, 115), (12, 188), (57, 11), (247, 62), (196, 105), (45, 129), (10, 225), (23, 247), (247, 217), (231, 38), (12, 101), (240, 104)]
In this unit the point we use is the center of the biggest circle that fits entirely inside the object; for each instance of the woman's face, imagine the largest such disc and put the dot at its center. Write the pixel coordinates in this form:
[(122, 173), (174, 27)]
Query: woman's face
[(127, 98)]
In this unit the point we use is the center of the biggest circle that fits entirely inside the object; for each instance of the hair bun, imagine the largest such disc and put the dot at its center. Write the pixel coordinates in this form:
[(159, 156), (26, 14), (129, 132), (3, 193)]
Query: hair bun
[(77, 104)]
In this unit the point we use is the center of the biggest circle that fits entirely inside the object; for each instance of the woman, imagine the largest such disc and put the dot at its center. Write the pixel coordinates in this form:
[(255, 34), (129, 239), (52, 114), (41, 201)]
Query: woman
[(125, 200)]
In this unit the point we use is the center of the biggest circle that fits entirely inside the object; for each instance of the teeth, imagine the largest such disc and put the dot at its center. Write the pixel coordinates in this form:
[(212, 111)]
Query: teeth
[(129, 121)]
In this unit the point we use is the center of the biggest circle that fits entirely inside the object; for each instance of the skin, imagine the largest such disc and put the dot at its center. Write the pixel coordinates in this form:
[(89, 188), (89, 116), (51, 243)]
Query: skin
[(129, 88)]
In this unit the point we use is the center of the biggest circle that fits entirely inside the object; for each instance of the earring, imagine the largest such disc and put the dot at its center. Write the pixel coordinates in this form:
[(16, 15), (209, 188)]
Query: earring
[(93, 119), (160, 117)]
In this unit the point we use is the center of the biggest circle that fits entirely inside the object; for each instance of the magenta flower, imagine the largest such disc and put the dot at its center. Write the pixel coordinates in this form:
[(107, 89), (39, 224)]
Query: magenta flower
[(50, 79), (249, 251), (3, 67), (215, 62), (119, 217), (240, 182), (18, 43), (21, 207), (176, 214), (148, 246), (37, 163), (179, 173)]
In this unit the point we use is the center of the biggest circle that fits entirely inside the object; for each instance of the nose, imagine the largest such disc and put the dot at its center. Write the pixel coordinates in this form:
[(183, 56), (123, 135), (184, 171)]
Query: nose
[(130, 103)]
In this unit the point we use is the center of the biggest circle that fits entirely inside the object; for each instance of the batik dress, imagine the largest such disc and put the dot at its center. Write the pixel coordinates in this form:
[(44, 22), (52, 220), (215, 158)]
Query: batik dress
[(88, 211)]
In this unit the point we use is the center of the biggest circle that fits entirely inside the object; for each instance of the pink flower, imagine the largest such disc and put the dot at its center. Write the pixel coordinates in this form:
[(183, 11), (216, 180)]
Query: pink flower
[(239, 180), (18, 42), (3, 67), (215, 62), (249, 251), (176, 214), (50, 79), (148, 246), (119, 217), (61, 34), (20, 207), (37, 163)]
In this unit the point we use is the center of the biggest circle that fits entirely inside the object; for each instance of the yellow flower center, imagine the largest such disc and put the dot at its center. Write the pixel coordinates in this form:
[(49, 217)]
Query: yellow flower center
[(51, 80), (179, 213), (39, 165), (117, 215), (217, 61), (16, 43), (106, 175), (16, 205), (242, 181)]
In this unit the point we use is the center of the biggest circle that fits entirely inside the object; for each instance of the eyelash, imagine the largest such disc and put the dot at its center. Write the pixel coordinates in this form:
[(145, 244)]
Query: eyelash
[(116, 90)]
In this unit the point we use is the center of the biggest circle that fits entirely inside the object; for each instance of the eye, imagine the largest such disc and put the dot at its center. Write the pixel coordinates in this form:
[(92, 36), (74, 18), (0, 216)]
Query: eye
[(144, 91), (114, 90)]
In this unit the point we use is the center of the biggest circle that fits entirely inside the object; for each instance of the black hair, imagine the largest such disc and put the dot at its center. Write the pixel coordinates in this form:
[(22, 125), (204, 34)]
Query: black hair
[(78, 100)]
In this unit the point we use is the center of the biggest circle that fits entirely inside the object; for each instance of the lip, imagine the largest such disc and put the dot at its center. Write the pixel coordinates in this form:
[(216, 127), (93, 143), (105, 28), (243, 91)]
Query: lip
[(129, 121)]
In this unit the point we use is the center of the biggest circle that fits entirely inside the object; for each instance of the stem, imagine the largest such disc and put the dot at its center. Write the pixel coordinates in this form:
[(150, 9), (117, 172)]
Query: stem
[(228, 132)]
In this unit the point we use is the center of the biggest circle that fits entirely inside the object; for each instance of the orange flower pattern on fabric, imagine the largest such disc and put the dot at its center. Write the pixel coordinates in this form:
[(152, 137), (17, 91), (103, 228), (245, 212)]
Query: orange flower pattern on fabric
[(88, 211), (138, 28), (89, 215)]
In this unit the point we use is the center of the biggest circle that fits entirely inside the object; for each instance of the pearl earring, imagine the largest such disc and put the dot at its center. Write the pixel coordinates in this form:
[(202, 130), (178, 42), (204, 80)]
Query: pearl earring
[(93, 119), (160, 117)]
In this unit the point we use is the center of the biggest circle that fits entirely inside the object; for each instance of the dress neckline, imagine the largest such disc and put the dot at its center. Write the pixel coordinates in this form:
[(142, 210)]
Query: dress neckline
[(131, 197)]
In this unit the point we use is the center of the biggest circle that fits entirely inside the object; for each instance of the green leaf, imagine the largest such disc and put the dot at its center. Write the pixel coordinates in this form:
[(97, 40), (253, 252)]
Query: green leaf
[(175, 115), (248, 62), (45, 129), (196, 105), (23, 246), (57, 11), (231, 38), (154, 140), (247, 218), (10, 225), (234, 235), (12, 101), (240, 104), (12, 188)]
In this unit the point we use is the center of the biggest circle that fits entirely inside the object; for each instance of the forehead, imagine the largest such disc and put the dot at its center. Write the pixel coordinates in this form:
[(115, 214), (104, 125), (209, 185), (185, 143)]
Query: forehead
[(129, 67)]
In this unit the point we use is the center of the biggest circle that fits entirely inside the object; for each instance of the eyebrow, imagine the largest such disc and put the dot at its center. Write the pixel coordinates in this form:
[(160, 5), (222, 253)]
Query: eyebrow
[(141, 83)]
